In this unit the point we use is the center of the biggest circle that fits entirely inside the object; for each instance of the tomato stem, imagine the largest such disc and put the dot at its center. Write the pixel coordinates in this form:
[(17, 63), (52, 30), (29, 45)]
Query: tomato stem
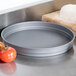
[(1, 46), (4, 48)]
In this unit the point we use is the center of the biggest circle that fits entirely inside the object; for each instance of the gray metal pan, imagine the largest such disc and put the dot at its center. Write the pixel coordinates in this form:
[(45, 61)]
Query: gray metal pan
[(37, 38)]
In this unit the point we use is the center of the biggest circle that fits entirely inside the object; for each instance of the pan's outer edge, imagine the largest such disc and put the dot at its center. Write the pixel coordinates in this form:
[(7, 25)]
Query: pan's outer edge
[(56, 50)]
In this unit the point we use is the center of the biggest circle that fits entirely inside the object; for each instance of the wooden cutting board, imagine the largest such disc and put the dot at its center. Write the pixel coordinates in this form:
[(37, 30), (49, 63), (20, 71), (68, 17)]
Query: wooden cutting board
[(51, 17)]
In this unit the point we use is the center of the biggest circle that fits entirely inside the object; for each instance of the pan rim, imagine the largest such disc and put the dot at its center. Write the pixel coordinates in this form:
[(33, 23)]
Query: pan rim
[(38, 48)]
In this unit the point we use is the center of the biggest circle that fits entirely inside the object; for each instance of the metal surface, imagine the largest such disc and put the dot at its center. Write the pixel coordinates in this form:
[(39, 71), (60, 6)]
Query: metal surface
[(38, 38), (11, 18), (31, 13), (61, 65)]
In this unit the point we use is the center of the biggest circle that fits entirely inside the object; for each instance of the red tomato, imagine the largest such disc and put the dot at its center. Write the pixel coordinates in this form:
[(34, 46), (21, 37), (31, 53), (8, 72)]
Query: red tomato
[(2, 45), (8, 55)]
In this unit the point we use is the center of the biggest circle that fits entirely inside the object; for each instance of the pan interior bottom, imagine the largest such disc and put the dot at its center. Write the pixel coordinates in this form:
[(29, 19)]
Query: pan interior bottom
[(36, 38)]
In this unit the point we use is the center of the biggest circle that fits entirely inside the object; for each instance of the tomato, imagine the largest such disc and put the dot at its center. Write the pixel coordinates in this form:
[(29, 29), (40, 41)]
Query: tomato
[(8, 54), (2, 45)]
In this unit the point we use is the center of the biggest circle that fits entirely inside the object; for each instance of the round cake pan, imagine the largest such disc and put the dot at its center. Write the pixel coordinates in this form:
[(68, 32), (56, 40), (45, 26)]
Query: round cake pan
[(37, 38)]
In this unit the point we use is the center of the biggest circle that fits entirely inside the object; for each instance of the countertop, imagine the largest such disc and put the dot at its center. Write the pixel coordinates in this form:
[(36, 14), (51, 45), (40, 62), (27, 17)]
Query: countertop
[(61, 65), (7, 6)]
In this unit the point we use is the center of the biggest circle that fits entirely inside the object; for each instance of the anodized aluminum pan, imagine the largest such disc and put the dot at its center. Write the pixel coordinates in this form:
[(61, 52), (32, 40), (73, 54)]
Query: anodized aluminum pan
[(37, 38)]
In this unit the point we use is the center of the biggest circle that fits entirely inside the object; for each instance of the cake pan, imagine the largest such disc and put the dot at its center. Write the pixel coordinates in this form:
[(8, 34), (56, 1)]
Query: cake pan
[(37, 38)]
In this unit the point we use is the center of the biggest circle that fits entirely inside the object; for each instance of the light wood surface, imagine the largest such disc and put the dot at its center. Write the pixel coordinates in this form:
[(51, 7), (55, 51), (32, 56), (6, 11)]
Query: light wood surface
[(51, 17)]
